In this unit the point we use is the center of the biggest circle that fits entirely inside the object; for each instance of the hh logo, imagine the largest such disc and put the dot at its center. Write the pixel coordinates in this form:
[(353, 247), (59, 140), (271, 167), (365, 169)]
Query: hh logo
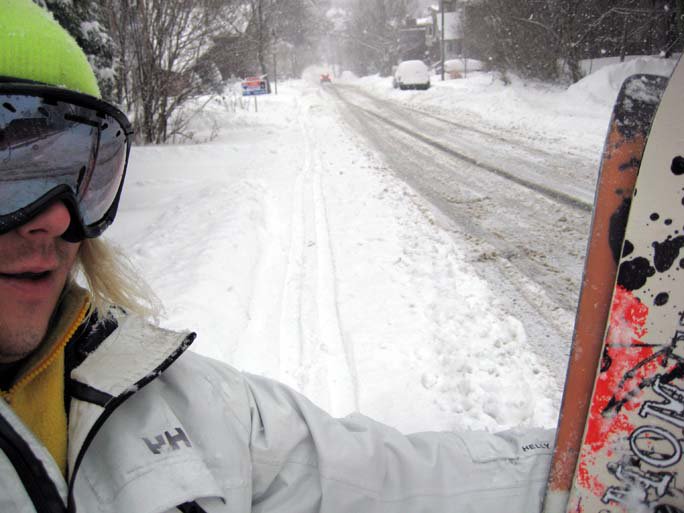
[(173, 441)]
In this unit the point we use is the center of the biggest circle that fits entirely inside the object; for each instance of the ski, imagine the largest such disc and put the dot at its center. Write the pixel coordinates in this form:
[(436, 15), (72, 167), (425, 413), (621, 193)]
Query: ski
[(630, 122), (630, 457)]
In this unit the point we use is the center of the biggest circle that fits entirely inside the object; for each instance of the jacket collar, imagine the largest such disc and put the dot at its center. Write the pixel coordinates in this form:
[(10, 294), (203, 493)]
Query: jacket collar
[(131, 356)]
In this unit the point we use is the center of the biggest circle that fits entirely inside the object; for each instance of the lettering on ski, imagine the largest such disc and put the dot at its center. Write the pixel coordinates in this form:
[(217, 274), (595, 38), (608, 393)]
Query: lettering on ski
[(631, 458), (627, 133)]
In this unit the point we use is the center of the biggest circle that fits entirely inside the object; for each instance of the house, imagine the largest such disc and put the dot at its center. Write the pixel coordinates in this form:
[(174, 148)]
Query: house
[(413, 40), (421, 38), (453, 29)]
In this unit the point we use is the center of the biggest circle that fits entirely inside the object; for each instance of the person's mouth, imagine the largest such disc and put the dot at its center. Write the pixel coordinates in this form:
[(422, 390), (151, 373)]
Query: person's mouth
[(27, 275), (30, 284)]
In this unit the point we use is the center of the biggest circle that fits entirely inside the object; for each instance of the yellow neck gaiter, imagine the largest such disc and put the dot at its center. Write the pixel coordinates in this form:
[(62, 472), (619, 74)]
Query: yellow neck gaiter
[(37, 396)]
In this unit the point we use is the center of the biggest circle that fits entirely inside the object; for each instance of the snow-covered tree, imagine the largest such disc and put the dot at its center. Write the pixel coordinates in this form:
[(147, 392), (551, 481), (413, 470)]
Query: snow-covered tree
[(372, 34), (547, 39), (262, 30), (163, 48), (292, 28), (298, 27)]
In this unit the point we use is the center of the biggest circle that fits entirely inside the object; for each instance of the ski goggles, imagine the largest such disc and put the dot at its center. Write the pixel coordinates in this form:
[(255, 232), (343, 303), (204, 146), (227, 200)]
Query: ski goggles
[(59, 145)]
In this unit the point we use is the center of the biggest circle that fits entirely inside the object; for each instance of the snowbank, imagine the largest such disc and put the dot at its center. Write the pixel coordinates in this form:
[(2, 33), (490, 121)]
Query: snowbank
[(461, 65), (602, 86), (570, 119)]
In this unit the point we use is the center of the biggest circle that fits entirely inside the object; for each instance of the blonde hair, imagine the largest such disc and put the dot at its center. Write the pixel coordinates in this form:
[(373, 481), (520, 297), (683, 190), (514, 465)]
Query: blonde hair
[(113, 280)]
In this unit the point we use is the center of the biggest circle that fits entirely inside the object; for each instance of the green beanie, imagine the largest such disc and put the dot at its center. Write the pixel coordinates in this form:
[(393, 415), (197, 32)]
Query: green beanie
[(34, 46)]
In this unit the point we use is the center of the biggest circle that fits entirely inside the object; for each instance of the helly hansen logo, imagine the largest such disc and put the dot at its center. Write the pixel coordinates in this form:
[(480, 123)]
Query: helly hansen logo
[(172, 441), (538, 445)]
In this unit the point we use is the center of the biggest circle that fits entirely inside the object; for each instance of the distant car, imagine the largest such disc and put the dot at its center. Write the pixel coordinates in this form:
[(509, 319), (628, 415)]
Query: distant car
[(411, 75), (325, 78)]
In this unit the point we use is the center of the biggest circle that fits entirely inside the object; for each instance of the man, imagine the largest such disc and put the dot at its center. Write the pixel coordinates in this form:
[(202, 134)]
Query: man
[(104, 412)]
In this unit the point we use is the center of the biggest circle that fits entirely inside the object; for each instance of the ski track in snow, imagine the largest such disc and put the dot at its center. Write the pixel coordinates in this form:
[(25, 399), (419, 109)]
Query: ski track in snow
[(315, 358)]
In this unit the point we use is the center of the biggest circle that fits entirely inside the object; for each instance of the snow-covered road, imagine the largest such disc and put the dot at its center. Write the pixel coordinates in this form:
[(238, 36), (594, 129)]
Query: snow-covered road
[(295, 252), (523, 223), (556, 174)]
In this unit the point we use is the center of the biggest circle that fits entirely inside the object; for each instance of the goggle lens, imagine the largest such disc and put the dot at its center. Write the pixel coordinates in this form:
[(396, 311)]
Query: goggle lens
[(47, 143)]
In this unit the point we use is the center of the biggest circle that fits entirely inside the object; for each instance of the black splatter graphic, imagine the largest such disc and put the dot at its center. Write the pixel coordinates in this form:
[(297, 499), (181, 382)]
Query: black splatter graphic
[(632, 163), (667, 508), (618, 224), (667, 252), (634, 273), (637, 119), (681, 263), (668, 222), (661, 299), (606, 361), (655, 216), (678, 165), (627, 249)]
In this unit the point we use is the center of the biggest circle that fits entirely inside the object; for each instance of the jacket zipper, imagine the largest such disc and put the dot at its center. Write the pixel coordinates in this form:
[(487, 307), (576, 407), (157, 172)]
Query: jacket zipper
[(112, 405), (35, 479)]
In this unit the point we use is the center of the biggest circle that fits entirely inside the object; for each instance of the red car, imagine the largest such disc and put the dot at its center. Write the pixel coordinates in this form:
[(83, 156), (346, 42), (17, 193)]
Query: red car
[(325, 78)]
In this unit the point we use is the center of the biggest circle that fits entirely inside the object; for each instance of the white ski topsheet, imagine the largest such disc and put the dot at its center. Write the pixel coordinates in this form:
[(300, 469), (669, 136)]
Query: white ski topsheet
[(631, 458)]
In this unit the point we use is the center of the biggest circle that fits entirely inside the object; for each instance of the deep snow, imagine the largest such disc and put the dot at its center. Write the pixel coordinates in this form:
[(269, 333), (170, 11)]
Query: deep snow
[(294, 252)]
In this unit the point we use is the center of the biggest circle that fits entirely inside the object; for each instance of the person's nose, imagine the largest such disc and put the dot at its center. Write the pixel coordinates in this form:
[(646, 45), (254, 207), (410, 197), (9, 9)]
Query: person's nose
[(51, 222)]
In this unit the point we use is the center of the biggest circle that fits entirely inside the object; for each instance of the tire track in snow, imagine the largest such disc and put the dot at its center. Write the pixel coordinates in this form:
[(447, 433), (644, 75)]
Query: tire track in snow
[(577, 198)]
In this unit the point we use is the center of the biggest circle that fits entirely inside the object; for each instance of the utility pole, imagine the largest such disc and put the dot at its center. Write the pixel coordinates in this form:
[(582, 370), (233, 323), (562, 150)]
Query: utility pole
[(441, 11), (464, 46), (275, 72), (274, 48)]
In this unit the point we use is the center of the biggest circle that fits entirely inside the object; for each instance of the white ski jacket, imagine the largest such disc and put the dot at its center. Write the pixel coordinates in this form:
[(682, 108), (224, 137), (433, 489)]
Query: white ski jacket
[(153, 429)]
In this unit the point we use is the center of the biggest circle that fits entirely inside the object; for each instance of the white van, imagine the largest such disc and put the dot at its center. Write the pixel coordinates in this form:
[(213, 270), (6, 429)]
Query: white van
[(411, 75)]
